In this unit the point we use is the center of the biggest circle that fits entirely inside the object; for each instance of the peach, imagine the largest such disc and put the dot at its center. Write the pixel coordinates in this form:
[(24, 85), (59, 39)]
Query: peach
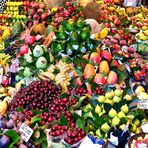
[(112, 78)]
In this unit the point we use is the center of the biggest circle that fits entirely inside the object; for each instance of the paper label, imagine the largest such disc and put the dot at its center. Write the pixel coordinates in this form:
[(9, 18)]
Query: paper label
[(26, 132), (143, 104)]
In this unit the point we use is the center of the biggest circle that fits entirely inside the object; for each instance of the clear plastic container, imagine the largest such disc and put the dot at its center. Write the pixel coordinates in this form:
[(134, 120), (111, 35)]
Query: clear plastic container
[(76, 145)]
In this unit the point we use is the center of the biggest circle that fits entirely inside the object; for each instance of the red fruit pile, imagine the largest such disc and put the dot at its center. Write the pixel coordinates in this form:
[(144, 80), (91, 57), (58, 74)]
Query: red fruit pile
[(74, 136), (58, 130), (38, 95), (36, 12), (65, 13)]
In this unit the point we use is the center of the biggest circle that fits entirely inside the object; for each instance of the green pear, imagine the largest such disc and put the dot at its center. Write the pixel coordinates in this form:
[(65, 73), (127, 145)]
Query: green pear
[(118, 92), (98, 109), (105, 127), (109, 101), (112, 113), (138, 130), (116, 99), (98, 133), (109, 95), (127, 97), (136, 122), (101, 99), (121, 114), (122, 126), (125, 108), (133, 128), (115, 121)]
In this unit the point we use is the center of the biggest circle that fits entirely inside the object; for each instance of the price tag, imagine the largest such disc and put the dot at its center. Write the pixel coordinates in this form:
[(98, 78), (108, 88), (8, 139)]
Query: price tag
[(79, 112), (143, 104), (26, 132)]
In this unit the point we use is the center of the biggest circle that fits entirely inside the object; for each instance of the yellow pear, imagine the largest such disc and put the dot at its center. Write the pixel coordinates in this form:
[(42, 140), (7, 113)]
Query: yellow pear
[(146, 32), (3, 107)]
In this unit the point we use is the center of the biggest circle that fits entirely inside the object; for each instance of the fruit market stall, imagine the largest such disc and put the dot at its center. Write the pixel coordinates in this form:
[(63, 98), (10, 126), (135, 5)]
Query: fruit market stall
[(74, 75)]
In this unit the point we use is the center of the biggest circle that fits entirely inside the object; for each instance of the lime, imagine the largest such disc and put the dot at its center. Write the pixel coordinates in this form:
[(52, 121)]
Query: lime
[(85, 34), (62, 35), (74, 36)]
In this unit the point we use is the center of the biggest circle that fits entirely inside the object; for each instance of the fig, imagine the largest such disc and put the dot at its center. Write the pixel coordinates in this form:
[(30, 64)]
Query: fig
[(14, 117), (38, 51), (2, 124), (41, 63), (22, 146), (27, 72), (10, 124), (4, 141), (112, 113)]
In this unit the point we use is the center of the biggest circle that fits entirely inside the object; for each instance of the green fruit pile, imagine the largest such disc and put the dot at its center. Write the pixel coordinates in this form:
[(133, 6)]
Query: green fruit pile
[(72, 38), (112, 109)]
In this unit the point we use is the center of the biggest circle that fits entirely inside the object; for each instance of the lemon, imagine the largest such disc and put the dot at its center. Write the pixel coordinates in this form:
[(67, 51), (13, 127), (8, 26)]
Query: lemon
[(144, 28)]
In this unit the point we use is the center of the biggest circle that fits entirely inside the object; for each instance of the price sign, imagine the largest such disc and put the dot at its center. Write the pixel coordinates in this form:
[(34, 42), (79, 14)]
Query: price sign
[(26, 132), (143, 104), (129, 3)]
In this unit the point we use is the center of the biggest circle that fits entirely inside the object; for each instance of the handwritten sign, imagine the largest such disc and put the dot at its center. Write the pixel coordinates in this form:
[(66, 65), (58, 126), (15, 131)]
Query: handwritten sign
[(26, 132)]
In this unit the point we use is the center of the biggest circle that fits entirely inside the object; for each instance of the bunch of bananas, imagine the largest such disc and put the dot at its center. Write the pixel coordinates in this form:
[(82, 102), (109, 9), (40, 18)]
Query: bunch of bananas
[(63, 77), (4, 59)]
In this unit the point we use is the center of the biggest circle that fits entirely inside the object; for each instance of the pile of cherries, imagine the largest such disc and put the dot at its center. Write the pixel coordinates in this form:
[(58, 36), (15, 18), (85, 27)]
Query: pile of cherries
[(74, 136), (38, 95)]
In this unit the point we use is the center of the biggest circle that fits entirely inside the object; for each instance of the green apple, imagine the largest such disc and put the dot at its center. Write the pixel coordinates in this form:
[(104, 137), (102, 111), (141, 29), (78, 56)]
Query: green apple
[(116, 99), (122, 126), (105, 127), (109, 101), (109, 95), (136, 122), (127, 97), (112, 113), (115, 121), (98, 109), (101, 99), (125, 108), (118, 92), (133, 128), (98, 133), (121, 114)]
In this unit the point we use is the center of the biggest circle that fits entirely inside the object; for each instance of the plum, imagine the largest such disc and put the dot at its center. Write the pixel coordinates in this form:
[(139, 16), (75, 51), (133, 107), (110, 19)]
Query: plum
[(4, 141), (10, 124), (22, 146), (2, 124)]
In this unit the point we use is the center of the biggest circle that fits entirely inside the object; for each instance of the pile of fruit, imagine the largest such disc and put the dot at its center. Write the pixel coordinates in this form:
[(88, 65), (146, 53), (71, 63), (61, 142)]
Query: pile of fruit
[(65, 79)]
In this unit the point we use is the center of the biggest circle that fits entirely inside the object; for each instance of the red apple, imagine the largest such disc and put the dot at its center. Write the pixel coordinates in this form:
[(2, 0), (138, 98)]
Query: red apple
[(24, 49), (99, 79), (107, 55)]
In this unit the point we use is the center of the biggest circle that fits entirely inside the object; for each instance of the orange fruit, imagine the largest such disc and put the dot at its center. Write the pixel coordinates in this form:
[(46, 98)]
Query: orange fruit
[(89, 71), (104, 67)]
